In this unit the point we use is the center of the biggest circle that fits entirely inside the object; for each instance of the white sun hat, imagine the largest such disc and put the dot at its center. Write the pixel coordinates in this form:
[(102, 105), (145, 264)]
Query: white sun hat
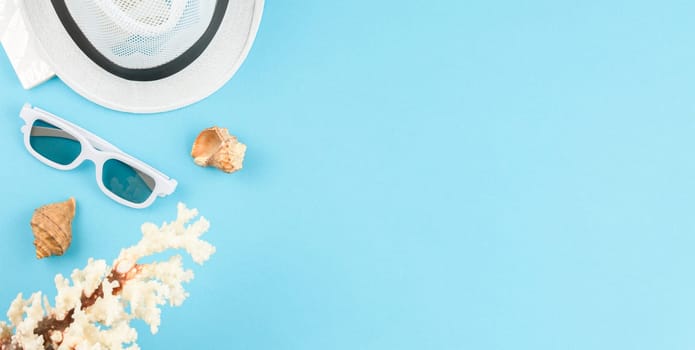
[(140, 56)]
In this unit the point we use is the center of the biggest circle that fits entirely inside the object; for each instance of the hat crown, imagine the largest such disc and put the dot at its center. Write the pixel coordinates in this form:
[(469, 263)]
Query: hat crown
[(141, 34)]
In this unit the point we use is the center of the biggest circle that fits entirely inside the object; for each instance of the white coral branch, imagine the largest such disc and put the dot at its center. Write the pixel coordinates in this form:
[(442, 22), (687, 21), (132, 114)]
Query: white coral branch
[(173, 235), (94, 307)]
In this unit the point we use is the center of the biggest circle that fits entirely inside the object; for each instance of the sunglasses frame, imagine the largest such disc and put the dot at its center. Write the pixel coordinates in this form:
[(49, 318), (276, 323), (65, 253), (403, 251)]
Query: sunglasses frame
[(98, 151)]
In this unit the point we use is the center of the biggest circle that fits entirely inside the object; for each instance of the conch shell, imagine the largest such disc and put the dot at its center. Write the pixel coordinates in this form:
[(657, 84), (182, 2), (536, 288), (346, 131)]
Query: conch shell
[(52, 226), (216, 147)]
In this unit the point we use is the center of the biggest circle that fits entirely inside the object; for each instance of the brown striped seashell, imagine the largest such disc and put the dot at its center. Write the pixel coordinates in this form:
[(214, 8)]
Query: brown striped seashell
[(216, 147), (52, 226)]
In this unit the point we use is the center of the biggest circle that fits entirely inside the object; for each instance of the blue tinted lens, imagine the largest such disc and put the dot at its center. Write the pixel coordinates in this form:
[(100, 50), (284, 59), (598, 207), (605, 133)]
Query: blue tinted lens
[(126, 182), (53, 143)]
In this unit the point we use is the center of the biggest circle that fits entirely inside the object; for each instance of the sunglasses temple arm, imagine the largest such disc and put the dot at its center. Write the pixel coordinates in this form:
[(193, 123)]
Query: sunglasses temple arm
[(42, 131), (150, 182), (29, 112)]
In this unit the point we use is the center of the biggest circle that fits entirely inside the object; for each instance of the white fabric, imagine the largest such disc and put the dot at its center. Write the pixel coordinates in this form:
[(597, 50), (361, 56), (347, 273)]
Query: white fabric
[(21, 47)]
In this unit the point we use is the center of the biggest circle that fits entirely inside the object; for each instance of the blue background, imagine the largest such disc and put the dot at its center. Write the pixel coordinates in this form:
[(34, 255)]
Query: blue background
[(420, 175)]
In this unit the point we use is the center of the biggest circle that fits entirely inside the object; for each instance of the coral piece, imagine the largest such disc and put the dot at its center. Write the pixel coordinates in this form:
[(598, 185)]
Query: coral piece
[(52, 226), (95, 310), (216, 147)]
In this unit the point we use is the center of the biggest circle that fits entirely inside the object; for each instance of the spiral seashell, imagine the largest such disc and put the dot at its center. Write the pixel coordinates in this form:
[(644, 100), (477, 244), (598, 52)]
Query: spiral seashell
[(216, 147), (52, 226)]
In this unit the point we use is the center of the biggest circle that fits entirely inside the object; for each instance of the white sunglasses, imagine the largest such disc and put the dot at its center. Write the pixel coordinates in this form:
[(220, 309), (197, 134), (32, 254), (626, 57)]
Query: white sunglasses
[(64, 146)]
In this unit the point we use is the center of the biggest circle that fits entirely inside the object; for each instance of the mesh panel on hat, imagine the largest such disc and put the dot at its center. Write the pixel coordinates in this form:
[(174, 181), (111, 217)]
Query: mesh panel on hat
[(141, 34)]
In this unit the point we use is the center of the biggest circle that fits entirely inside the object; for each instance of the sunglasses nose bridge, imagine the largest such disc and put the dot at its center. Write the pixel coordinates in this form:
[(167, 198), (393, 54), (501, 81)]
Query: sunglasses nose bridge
[(91, 156)]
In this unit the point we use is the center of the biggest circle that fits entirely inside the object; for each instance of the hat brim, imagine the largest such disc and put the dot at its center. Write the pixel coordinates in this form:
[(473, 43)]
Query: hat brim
[(209, 72)]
